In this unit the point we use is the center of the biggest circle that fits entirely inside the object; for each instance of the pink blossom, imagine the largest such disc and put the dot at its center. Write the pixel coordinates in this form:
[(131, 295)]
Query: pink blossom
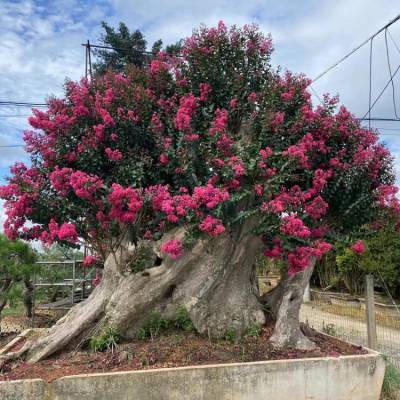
[(125, 203), (85, 185), (209, 195), (220, 122), (107, 118), (156, 125), (188, 105), (212, 226), (192, 137), (205, 90), (299, 259), (173, 247), (259, 189), (286, 97), (90, 260), (252, 98), (164, 160), (233, 103), (113, 155), (68, 233), (60, 179), (293, 226), (157, 67), (358, 247), (317, 208)]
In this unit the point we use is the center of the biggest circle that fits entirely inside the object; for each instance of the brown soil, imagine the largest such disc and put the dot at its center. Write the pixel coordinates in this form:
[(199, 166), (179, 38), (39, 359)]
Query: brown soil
[(18, 323), (173, 349)]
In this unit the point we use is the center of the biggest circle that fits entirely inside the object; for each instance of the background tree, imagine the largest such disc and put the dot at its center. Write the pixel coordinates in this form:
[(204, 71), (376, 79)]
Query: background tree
[(381, 258), (129, 48), (177, 173), (17, 262)]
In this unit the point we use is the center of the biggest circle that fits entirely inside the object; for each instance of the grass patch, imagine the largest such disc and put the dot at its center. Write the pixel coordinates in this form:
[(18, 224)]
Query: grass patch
[(391, 383)]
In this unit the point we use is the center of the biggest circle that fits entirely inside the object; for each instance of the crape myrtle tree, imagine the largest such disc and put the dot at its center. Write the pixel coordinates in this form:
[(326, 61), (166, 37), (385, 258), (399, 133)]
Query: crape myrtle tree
[(179, 172)]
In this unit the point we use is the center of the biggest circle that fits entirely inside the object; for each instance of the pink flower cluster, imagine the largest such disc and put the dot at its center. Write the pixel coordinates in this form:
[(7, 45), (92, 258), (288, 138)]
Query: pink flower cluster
[(294, 226), (125, 203), (300, 259), (317, 208), (90, 260), (60, 179), (220, 122), (205, 90), (212, 226), (66, 232), (187, 108), (84, 185), (177, 206), (113, 155), (209, 196), (173, 248), (358, 247), (157, 67)]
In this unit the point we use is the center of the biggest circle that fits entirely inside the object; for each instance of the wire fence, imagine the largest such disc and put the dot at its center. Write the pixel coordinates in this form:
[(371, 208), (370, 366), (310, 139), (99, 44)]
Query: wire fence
[(346, 317)]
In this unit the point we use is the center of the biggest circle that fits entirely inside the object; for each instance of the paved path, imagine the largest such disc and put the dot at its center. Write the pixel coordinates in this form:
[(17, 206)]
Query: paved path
[(352, 330)]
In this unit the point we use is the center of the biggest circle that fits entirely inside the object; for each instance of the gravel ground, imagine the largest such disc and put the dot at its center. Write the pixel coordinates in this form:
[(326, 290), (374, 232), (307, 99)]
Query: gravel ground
[(352, 330)]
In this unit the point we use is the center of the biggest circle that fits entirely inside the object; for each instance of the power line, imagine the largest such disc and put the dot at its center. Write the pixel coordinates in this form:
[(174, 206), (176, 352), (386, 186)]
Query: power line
[(379, 119), (356, 48), (371, 106), (21, 104), (11, 145), (390, 73), (15, 116), (98, 46), (393, 41)]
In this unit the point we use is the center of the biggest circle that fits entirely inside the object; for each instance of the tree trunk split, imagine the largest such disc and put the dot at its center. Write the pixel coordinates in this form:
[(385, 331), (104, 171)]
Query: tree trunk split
[(215, 281), (285, 301)]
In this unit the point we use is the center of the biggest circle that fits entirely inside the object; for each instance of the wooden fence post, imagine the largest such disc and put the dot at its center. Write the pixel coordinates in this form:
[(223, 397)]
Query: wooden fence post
[(370, 310)]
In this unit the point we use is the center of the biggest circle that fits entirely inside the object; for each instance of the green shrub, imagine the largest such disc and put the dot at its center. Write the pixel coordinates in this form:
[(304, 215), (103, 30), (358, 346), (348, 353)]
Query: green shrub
[(254, 330), (329, 329), (105, 341), (230, 335), (141, 259), (182, 319), (152, 327)]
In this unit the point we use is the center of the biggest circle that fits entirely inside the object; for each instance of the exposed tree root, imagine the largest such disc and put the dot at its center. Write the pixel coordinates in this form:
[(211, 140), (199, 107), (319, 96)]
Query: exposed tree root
[(214, 281)]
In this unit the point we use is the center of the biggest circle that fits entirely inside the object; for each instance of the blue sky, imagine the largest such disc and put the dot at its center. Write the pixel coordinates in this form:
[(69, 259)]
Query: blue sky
[(40, 46)]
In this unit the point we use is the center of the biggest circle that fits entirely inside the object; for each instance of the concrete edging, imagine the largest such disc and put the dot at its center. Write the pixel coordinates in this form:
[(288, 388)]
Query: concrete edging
[(357, 377)]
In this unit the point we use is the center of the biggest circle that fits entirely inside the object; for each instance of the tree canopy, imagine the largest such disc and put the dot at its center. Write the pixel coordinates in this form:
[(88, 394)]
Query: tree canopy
[(203, 140)]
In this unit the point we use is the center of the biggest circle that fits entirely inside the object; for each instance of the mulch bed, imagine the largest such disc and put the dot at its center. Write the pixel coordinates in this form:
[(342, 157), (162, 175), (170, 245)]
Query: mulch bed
[(173, 349)]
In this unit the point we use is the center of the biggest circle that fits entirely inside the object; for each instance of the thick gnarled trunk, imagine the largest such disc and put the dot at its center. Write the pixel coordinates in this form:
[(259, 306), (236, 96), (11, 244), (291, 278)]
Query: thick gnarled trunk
[(284, 302), (215, 281)]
